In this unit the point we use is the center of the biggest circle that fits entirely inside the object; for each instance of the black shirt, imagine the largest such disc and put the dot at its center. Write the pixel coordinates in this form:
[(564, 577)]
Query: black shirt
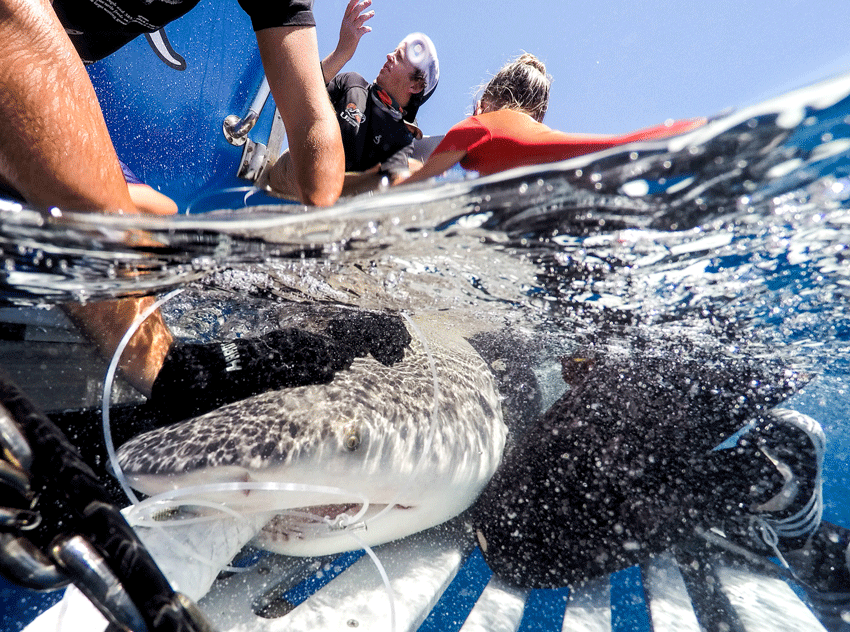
[(100, 27), (370, 135)]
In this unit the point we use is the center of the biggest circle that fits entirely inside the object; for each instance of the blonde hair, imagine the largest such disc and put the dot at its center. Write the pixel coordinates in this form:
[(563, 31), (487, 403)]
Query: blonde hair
[(521, 84)]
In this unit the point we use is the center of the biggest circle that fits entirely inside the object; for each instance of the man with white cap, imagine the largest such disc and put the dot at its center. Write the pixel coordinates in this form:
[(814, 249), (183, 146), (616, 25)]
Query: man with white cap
[(377, 120)]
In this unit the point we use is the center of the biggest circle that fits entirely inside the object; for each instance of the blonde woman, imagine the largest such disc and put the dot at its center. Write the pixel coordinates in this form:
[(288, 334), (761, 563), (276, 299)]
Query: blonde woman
[(507, 128)]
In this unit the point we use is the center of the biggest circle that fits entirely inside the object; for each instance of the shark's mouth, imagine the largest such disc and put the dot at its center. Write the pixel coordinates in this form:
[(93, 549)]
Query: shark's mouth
[(322, 520)]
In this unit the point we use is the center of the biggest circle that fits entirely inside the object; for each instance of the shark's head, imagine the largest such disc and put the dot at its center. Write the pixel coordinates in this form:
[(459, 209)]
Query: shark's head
[(382, 451)]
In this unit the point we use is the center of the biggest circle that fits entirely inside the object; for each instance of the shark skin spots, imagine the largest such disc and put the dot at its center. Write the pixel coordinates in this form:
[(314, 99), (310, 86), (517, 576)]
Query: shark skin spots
[(401, 448)]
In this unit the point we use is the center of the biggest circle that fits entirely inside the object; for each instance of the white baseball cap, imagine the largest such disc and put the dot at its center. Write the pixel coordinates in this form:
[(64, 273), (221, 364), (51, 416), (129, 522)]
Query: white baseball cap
[(422, 53)]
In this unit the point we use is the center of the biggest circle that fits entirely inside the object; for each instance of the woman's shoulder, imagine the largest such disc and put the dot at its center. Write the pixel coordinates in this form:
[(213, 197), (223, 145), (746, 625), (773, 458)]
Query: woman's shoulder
[(475, 130), (510, 124), (507, 117), (493, 121)]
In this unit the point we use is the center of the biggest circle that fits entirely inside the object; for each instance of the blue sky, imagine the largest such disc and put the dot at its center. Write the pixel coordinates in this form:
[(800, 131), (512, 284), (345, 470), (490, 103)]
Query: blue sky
[(617, 65)]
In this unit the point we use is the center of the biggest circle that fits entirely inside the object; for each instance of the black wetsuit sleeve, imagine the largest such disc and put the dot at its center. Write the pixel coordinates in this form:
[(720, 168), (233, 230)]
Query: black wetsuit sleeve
[(270, 13), (335, 87)]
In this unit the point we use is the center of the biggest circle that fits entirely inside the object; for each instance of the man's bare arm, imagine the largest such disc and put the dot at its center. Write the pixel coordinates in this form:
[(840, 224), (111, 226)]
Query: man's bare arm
[(56, 152), (290, 58), (55, 148), (106, 322)]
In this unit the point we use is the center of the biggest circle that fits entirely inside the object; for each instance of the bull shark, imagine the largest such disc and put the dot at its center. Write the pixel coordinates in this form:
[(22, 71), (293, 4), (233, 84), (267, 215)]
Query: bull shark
[(381, 452)]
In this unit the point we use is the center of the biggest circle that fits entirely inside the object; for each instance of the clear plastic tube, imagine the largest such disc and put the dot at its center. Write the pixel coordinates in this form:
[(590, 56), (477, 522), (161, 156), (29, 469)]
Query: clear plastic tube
[(107, 391), (384, 577)]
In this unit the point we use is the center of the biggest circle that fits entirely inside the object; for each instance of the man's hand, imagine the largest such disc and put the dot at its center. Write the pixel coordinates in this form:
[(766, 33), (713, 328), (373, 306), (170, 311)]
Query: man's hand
[(197, 378), (353, 27), (383, 336)]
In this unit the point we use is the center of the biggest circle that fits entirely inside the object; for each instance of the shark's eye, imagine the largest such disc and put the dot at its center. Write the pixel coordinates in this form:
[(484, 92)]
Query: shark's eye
[(351, 441)]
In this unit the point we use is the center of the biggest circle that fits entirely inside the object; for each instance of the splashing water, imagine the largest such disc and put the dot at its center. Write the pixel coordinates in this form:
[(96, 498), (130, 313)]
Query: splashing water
[(743, 219), (742, 224)]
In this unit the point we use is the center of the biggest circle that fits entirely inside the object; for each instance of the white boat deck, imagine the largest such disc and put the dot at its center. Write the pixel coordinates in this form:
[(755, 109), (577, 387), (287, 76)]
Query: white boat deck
[(421, 570)]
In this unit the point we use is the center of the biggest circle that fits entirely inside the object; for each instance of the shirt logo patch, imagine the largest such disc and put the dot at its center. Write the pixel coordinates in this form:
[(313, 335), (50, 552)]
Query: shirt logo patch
[(352, 114)]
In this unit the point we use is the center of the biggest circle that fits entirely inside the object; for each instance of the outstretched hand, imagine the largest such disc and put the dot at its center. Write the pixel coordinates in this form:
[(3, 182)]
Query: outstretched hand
[(354, 26), (196, 378)]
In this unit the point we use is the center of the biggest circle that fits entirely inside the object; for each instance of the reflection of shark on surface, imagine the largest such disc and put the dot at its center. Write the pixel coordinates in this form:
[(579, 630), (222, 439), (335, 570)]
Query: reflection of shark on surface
[(417, 441), (665, 443)]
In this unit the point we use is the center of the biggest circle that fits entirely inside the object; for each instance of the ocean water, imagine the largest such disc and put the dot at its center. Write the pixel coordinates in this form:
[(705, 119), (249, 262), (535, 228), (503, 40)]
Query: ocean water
[(741, 227)]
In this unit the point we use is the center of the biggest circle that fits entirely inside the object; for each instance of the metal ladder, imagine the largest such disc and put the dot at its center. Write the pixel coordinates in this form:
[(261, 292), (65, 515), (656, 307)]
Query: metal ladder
[(256, 157)]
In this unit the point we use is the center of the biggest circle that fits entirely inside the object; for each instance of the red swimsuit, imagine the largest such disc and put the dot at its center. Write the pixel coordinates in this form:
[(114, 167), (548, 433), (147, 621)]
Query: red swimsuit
[(501, 140)]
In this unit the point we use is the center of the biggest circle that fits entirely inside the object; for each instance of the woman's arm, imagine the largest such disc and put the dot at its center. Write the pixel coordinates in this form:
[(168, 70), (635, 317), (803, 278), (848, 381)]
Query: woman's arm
[(437, 164)]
